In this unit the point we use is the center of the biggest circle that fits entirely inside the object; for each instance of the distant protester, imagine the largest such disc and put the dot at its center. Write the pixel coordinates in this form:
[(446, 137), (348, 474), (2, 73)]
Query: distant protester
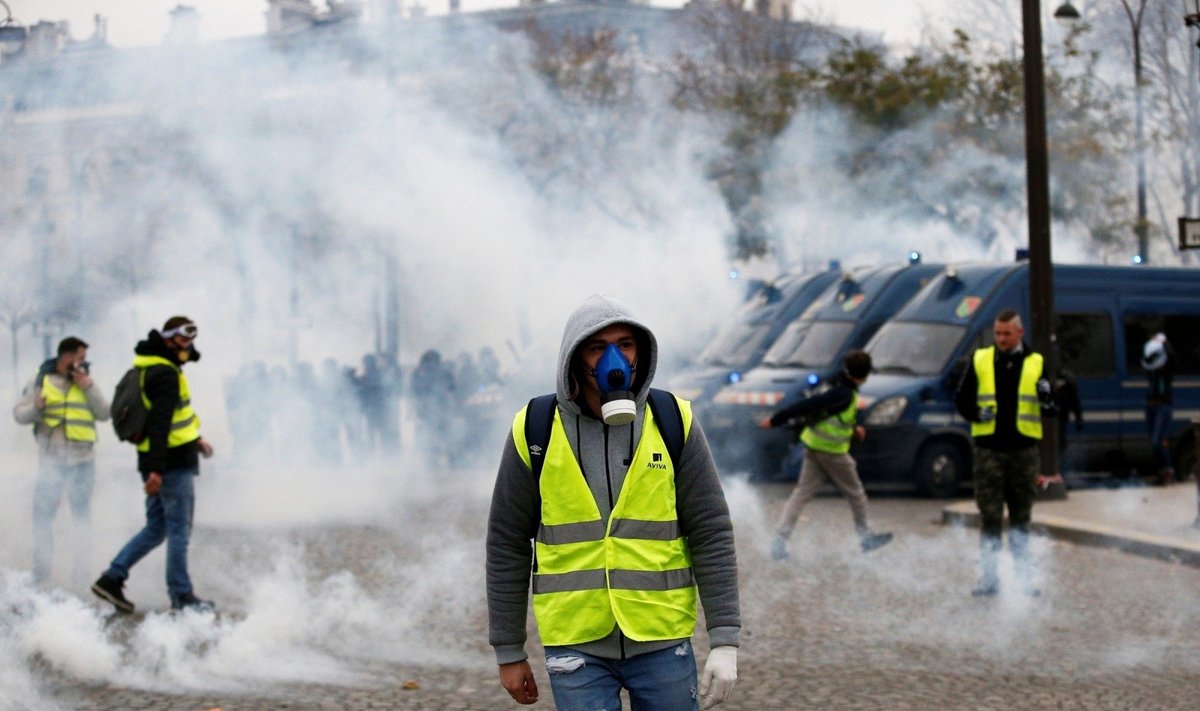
[(63, 404), (609, 487), (832, 422), (1004, 394), (1158, 360), (168, 459)]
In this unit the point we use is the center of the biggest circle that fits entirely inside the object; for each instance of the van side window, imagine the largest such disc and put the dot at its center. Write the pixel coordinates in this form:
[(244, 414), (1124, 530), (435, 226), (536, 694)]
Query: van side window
[(1085, 344), (1183, 333)]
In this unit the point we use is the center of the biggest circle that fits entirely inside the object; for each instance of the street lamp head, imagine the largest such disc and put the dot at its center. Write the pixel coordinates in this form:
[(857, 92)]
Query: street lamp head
[(1191, 13), (1067, 11)]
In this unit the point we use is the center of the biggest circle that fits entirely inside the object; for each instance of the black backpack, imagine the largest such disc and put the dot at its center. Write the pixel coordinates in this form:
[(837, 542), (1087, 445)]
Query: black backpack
[(539, 420), (129, 412)]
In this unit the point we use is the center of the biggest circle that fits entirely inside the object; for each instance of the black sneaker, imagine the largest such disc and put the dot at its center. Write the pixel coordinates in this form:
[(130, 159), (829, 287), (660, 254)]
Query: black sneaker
[(109, 589), (188, 601), (871, 541)]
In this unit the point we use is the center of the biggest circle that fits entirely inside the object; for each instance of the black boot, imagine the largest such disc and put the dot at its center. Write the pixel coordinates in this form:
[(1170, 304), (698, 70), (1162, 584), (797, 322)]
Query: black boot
[(109, 589)]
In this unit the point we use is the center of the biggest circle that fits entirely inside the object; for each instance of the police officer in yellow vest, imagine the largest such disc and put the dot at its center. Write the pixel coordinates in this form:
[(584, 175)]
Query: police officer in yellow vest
[(63, 404), (1004, 394), (618, 543), (827, 452), (168, 459)]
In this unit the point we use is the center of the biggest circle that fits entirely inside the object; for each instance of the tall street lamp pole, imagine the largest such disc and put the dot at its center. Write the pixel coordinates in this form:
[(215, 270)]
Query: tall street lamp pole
[(1041, 277)]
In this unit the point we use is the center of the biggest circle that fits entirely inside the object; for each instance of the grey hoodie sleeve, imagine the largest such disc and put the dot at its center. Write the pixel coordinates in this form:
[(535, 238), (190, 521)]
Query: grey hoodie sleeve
[(704, 519), (512, 525)]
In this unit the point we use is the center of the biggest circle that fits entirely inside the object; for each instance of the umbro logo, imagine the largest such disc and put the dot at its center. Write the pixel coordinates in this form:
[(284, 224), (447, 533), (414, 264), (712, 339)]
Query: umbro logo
[(535, 450)]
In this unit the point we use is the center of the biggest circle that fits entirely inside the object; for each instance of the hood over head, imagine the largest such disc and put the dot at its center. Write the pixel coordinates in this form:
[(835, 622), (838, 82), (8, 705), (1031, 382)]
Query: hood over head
[(596, 313)]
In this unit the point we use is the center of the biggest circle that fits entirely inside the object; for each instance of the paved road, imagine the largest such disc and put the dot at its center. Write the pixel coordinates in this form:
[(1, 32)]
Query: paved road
[(342, 616)]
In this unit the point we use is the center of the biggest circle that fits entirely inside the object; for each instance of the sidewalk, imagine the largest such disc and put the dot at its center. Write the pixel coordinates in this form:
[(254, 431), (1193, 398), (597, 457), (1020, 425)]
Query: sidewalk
[(1153, 521)]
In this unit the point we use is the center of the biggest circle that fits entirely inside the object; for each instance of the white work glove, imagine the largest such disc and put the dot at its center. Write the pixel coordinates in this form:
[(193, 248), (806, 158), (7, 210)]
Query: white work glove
[(987, 413), (720, 674)]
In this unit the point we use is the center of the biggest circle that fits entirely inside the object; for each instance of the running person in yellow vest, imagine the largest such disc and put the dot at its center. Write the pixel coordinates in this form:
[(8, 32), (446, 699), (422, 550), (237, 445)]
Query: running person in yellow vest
[(63, 404), (617, 536), (827, 452), (1003, 394), (168, 459)]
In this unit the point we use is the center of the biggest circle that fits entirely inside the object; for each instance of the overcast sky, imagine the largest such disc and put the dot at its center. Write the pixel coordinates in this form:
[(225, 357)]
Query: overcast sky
[(145, 22)]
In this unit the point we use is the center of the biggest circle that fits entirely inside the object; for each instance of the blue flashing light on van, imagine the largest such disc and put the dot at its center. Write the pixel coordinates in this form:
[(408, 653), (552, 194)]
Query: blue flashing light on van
[(1103, 316)]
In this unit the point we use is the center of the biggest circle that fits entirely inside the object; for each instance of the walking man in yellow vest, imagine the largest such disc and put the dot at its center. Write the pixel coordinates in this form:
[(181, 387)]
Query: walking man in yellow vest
[(63, 404), (1003, 394), (169, 461), (834, 422), (617, 530)]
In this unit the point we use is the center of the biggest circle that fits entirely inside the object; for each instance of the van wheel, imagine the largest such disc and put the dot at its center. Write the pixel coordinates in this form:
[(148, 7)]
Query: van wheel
[(940, 470)]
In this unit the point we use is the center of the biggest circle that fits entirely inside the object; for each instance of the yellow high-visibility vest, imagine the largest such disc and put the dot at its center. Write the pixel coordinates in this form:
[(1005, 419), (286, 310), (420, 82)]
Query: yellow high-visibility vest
[(1029, 412), (833, 434), (70, 407), (185, 425), (636, 571)]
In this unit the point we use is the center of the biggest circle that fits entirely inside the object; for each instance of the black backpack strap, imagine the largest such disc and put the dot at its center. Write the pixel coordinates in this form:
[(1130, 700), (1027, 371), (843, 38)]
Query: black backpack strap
[(539, 420), (670, 422)]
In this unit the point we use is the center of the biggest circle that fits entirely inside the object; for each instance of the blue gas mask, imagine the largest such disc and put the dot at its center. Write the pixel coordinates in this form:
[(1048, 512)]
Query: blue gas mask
[(614, 375)]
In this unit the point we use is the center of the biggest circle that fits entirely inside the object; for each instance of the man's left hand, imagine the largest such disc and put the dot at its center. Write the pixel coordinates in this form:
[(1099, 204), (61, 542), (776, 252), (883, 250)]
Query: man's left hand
[(860, 432), (206, 449), (720, 674)]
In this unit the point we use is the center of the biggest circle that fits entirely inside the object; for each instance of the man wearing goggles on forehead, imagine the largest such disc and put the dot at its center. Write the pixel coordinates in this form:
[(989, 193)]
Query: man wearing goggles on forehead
[(168, 459)]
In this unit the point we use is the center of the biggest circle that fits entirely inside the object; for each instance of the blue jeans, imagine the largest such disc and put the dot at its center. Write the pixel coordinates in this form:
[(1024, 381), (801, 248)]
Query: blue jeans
[(1158, 420), (657, 681), (55, 478), (168, 516)]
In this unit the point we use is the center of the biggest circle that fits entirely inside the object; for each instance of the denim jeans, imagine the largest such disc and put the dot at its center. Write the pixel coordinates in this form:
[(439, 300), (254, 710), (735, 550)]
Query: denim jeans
[(168, 516), (657, 681), (54, 478), (1158, 420)]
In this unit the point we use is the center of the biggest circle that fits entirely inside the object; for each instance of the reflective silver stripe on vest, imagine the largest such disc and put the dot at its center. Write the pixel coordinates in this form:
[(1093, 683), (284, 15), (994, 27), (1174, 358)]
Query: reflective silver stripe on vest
[(81, 423), (182, 423), (1029, 418), (1028, 398), (566, 582), (646, 530), (651, 579), (185, 403), (570, 533)]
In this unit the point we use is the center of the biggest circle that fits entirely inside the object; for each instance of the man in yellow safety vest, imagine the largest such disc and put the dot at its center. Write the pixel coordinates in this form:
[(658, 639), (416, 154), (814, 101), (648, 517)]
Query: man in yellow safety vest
[(169, 461), (1004, 394), (617, 530), (63, 404)]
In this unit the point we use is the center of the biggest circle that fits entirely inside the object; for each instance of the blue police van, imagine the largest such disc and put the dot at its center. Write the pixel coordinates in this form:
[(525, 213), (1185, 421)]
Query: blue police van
[(1103, 316), (806, 354), (741, 343)]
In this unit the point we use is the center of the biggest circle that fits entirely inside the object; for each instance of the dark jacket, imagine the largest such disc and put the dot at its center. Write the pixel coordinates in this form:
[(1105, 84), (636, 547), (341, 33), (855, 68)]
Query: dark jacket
[(830, 402), (1008, 378), (162, 389)]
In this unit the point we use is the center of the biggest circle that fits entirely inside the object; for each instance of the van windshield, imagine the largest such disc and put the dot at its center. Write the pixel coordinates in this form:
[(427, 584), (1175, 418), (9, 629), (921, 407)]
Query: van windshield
[(735, 345), (814, 349), (914, 348)]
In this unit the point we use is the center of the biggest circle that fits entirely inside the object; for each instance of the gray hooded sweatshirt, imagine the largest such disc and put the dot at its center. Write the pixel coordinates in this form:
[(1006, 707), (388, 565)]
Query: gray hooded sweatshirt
[(603, 453)]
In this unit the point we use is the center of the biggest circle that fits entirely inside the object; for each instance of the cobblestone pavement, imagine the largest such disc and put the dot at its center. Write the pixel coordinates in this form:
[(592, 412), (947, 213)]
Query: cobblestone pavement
[(392, 616)]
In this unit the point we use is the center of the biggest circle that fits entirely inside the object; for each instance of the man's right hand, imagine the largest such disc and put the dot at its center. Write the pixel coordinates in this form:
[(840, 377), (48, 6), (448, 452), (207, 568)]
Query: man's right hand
[(987, 414), (517, 680), (153, 483)]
